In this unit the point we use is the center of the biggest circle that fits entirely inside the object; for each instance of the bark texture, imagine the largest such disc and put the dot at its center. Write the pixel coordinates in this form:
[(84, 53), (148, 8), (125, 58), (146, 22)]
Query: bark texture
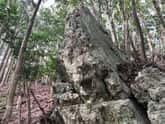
[(4, 57), (3, 70), (137, 21), (16, 73)]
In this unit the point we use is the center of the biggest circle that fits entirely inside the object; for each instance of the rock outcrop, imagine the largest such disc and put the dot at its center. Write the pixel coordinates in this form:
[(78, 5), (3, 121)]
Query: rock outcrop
[(149, 90), (111, 112), (89, 89)]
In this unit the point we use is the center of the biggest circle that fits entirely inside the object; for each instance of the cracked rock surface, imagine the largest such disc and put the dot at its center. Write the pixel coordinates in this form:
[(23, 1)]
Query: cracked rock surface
[(149, 90), (88, 87)]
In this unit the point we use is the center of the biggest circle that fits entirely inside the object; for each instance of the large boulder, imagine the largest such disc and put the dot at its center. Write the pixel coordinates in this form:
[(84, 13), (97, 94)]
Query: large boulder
[(149, 90), (89, 59), (91, 89), (88, 88), (112, 112)]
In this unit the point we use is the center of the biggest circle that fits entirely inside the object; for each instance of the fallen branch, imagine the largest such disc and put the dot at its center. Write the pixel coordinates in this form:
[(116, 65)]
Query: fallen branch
[(43, 111)]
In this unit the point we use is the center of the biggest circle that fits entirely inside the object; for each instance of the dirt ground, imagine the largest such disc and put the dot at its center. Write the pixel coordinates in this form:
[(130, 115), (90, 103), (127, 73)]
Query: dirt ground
[(42, 94)]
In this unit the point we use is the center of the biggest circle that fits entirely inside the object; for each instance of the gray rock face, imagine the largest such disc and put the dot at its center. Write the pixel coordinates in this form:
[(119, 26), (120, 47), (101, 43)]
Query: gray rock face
[(113, 112), (149, 85), (89, 89), (149, 89), (90, 59), (156, 112)]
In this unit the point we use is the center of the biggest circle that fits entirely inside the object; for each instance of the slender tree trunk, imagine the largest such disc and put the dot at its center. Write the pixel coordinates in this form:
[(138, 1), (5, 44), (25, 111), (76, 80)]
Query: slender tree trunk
[(158, 10), (4, 57), (125, 25), (3, 70), (2, 30), (135, 54), (150, 44), (1, 45), (111, 23), (148, 37), (142, 44), (10, 71), (112, 30), (162, 41), (11, 2), (126, 39), (7, 70), (95, 11), (126, 43), (100, 11), (16, 73), (19, 101), (28, 103), (1, 48)]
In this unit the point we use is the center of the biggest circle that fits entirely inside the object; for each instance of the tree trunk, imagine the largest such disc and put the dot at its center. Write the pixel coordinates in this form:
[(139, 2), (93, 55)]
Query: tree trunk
[(95, 11), (11, 2), (135, 54), (9, 71), (112, 30), (1, 48), (16, 73), (162, 41), (148, 37), (125, 25), (4, 57), (19, 102), (28, 102), (3, 70), (158, 11), (126, 43), (151, 48), (111, 23), (142, 44)]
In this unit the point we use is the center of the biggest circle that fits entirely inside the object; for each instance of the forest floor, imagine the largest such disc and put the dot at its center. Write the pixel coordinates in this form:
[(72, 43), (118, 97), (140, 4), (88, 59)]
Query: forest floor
[(42, 94)]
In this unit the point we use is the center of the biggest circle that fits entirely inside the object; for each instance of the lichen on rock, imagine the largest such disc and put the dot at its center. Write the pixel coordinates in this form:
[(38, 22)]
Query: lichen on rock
[(149, 90), (89, 88)]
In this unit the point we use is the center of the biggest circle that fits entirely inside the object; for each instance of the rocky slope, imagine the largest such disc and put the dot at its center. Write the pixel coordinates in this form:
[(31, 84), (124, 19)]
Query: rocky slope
[(90, 89)]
